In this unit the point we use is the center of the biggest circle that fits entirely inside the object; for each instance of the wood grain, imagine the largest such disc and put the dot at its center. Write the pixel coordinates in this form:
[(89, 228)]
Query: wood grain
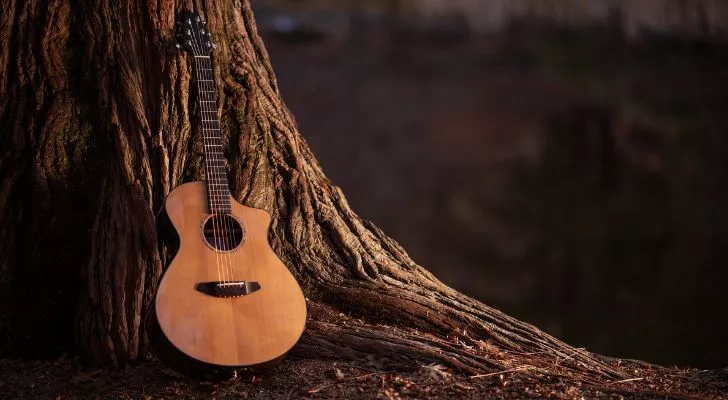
[(240, 331)]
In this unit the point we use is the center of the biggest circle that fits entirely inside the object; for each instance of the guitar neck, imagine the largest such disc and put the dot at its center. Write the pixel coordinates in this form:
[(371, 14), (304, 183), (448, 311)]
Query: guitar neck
[(218, 190)]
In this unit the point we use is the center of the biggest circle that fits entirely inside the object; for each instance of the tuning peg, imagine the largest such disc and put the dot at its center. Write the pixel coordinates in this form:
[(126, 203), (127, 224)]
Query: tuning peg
[(203, 31), (197, 18), (189, 21), (178, 46)]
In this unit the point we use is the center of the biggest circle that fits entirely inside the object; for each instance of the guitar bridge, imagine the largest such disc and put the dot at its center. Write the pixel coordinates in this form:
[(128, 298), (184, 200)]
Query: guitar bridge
[(227, 289)]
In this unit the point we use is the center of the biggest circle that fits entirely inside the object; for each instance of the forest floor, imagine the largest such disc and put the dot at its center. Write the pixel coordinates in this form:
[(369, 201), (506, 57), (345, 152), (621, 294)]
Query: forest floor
[(317, 379)]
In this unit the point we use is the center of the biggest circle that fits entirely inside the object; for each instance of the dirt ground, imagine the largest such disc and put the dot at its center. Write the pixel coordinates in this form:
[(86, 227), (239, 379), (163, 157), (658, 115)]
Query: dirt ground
[(316, 379)]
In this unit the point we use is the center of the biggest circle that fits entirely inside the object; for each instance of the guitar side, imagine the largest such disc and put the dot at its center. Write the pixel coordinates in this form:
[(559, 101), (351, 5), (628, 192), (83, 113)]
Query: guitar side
[(234, 331)]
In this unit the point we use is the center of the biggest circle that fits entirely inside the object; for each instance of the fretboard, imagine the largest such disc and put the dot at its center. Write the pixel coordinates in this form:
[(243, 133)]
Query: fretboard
[(218, 191)]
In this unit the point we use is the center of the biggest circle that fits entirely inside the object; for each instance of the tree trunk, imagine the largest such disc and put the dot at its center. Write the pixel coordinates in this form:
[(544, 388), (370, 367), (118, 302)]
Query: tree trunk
[(95, 120)]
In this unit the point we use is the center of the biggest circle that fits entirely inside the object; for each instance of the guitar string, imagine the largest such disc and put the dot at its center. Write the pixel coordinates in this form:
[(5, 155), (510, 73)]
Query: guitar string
[(228, 228), (215, 198), (220, 277), (223, 222)]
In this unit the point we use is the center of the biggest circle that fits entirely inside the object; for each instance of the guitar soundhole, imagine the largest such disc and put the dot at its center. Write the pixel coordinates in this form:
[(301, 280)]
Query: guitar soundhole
[(223, 232)]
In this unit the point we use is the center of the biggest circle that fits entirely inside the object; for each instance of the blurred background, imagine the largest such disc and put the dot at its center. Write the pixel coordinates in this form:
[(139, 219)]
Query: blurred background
[(565, 161)]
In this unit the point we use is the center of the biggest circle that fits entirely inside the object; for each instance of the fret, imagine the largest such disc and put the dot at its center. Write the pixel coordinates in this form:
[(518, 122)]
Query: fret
[(218, 189)]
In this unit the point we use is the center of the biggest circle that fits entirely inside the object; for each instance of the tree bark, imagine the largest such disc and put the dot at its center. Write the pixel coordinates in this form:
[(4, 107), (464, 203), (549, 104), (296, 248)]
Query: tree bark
[(95, 120)]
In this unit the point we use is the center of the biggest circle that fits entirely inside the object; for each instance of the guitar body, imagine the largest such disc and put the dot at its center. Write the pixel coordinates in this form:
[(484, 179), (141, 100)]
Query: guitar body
[(235, 307)]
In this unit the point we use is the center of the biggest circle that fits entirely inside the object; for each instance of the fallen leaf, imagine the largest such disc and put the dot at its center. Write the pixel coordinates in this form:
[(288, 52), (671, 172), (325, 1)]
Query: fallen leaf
[(437, 371)]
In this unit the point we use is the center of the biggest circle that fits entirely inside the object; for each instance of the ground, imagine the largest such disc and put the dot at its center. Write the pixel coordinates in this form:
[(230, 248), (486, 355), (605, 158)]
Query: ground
[(317, 379)]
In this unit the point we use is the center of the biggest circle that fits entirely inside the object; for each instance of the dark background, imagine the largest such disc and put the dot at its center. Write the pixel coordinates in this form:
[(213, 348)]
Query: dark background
[(563, 161)]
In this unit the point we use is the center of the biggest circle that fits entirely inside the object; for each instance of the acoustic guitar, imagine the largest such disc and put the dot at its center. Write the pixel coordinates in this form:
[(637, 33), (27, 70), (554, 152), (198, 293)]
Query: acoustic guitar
[(225, 299)]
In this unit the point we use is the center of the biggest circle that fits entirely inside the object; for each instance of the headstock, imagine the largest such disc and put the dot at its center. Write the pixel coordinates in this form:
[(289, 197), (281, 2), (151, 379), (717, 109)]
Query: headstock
[(192, 34)]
